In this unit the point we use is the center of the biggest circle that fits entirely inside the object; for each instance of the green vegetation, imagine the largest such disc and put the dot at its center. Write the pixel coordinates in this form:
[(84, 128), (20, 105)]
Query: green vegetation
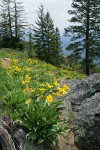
[(30, 90), (27, 95), (47, 39), (84, 30), (12, 24), (43, 38)]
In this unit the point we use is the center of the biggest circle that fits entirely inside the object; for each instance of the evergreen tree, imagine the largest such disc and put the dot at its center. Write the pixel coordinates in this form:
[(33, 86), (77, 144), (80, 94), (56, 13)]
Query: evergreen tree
[(49, 35), (19, 23), (30, 42), (11, 24), (85, 31), (46, 38), (6, 21), (58, 48), (39, 39)]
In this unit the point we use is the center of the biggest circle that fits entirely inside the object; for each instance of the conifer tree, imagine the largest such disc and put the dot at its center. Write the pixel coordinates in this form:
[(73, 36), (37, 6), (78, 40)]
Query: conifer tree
[(58, 47), (39, 40), (49, 38), (85, 31), (30, 41), (19, 23), (46, 38), (11, 23), (6, 20)]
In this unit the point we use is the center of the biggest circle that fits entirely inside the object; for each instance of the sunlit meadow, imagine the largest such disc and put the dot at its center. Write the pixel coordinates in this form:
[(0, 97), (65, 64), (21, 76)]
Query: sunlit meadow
[(30, 93)]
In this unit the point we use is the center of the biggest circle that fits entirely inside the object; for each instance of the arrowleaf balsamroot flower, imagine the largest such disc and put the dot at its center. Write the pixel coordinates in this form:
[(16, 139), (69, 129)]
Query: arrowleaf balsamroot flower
[(26, 90), (42, 84), (42, 89), (66, 87), (49, 85), (27, 79), (28, 101), (15, 61), (62, 90), (56, 83), (50, 98), (16, 69), (56, 94)]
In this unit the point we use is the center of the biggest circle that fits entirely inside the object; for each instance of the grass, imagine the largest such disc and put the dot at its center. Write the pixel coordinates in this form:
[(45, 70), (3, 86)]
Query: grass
[(28, 87), (16, 65)]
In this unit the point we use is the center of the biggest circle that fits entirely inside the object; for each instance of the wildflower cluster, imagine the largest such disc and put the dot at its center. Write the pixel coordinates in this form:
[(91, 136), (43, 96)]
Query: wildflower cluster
[(27, 88), (15, 61), (27, 79), (16, 69)]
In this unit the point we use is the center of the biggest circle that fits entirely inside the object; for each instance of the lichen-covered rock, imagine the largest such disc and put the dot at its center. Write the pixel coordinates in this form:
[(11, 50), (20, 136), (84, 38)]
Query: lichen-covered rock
[(85, 102)]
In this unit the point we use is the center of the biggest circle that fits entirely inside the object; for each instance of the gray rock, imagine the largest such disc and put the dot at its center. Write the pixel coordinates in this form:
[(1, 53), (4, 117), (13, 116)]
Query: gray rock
[(84, 101)]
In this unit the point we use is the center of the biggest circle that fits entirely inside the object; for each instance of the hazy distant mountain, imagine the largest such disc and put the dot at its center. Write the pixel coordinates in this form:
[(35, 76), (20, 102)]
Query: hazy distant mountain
[(65, 43)]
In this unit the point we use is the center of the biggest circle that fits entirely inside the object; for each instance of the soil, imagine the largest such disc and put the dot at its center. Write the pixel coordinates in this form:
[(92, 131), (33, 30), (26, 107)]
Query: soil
[(66, 142)]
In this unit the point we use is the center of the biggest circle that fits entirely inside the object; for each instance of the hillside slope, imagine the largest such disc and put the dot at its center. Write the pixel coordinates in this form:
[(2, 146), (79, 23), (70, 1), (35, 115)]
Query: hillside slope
[(30, 89)]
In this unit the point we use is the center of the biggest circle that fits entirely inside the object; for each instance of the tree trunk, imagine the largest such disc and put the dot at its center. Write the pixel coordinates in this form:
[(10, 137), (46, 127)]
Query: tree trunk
[(87, 40)]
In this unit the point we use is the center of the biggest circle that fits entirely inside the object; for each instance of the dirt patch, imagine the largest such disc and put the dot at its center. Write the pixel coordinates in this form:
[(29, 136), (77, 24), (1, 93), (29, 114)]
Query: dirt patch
[(66, 141), (5, 62)]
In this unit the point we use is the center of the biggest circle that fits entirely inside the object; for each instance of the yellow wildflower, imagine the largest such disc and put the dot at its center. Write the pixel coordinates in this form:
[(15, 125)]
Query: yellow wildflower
[(26, 90), (42, 84), (42, 89), (28, 101), (66, 87), (32, 90), (27, 79), (49, 98), (56, 83), (56, 94), (23, 82), (49, 85), (16, 69), (62, 90), (59, 89), (15, 61)]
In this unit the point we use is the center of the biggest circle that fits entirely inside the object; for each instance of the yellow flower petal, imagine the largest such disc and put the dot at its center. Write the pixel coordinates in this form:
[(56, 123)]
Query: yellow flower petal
[(49, 98), (28, 101)]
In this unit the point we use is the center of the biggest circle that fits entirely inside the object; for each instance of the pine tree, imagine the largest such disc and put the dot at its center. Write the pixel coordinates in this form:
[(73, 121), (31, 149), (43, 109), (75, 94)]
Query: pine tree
[(49, 38), (30, 42), (46, 38), (6, 21), (58, 47), (19, 23), (85, 31), (12, 24), (39, 40)]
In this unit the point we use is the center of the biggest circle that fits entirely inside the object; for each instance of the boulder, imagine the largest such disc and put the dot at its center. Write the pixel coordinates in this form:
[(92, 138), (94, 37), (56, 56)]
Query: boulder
[(11, 136), (84, 101)]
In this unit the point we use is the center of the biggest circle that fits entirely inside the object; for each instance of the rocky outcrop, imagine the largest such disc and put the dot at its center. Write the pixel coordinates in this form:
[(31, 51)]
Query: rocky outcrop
[(84, 99), (11, 136)]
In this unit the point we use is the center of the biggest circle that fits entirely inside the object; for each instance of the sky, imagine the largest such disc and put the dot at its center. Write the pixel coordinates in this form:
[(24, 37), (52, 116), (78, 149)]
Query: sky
[(58, 10)]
